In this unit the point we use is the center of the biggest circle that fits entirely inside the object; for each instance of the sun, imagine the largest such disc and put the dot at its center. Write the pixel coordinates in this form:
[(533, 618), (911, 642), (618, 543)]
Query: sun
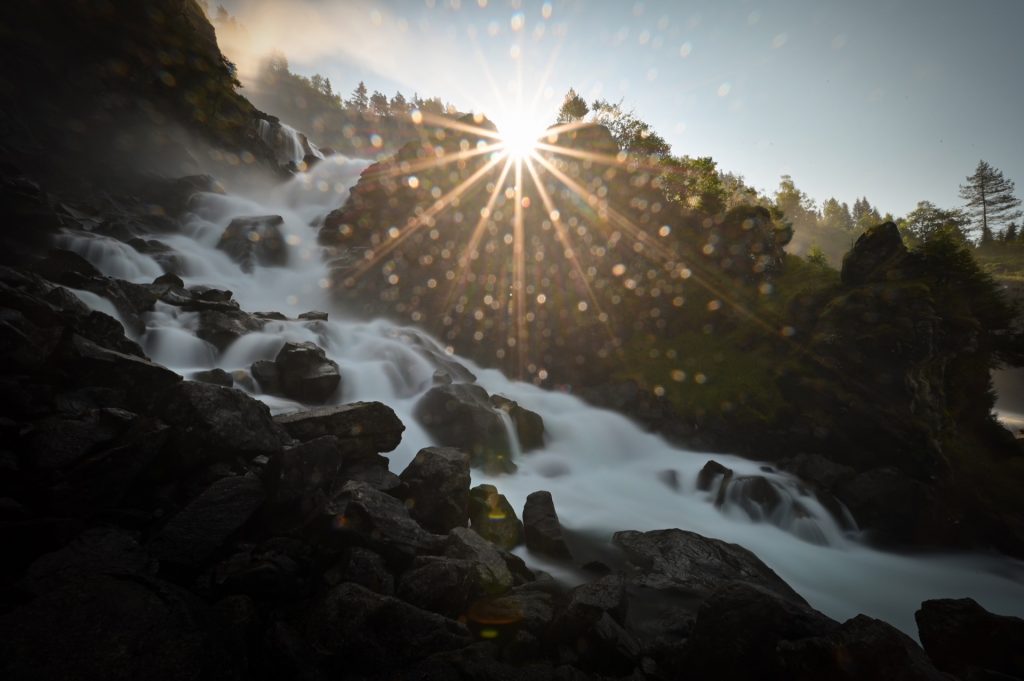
[(519, 135)]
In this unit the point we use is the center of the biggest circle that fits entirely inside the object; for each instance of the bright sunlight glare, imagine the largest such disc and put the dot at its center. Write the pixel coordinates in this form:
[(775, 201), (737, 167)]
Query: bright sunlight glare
[(520, 134)]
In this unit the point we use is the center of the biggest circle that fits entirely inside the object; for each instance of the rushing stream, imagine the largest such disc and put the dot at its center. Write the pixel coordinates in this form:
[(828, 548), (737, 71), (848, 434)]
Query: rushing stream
[(605, 473)]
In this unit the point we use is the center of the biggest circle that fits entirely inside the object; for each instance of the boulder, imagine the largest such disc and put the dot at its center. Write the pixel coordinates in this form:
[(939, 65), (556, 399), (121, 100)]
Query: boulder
[(215, 377), (268, 572), (363, 567), (493, 518), (360, 630), (494, 576), (961, 637), (440, 584), (461, 415), (739, 628), (529, 425), (265, 373), (878, 256), (194, 534), (305, 374), (313, 316), (711, 472), (436, 488), (542, 531), (97, 551), (222, 327), (525, 607), (860, 649), (693, 566), (96, 366), (255, 240), (372, 424), (215, 422), (362, 515)]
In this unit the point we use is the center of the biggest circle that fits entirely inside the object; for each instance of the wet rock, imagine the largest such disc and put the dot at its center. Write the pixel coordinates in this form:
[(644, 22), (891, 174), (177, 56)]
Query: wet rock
[(106, 332), (113, 628), (493, 573), (542, 530), (216, 422), (370, 423), (738, 630), (264, 573), (362, 630), (860, 649), (755, 494), (224, 327), (711, 471), (93, 365), (168, 280), (692, 565), (440, 584), (360, 514), (461, 416), (307, 467), (529, 425), (313, 316), (524, 607), (194, 534), (493, 518), (98, 551), (60, 443), (305, 374), (265, 373), (961, 638), (174, 194), (60, 262), (211, 295), (436, 488), (215, 377), (255, 240), (889, 502)]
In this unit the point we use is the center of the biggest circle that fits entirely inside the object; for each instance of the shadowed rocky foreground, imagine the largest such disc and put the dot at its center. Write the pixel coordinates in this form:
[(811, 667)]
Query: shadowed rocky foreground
[(162, 528)]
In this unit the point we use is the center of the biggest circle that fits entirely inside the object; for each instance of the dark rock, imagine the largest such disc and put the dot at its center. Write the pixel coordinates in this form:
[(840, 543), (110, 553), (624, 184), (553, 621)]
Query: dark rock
[(494, 576), (289, 656), (101, 550), (106, 332), (363, 567), (313, 316), (529, 425), (523, 607), (439, 584), (878, 255), (372, 423), (265, 573), (442, 377), (817, 469), (889, 502), (199, 530), (960, 636), (92, 365), (214, 376), (436, 488), (542, 530), (310, 466), (169, 280), (363, 515), (224, 327), (114, 628), (174, 195), (255, 240), (305, 373), (59, 262), (59, 443), (216, 422), (755, 494), (493, 518), (670, 478), (461, 415), (212, 295), (860, 649), (691, 565), (711, 471), (363, 630), (265, 373), (738, 629)]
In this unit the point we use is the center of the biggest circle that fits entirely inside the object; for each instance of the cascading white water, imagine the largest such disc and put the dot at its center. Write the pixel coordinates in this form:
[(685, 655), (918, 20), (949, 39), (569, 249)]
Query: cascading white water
[(288, 143), (605, 473)]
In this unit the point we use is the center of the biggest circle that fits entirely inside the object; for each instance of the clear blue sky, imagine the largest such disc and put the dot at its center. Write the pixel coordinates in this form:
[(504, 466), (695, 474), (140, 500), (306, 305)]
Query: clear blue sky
[(894, 100)]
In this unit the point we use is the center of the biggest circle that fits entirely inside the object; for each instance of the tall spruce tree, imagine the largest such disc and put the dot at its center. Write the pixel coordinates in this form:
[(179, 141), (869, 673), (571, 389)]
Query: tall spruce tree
[(990, 199), (360, 100)]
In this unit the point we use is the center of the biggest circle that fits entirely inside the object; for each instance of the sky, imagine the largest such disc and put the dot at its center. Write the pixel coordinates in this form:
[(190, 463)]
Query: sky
[(895, 100)]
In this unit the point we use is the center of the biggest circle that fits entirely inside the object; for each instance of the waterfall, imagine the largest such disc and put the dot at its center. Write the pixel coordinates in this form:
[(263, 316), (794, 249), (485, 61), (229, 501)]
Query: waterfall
[(604, 472), (288, 144)]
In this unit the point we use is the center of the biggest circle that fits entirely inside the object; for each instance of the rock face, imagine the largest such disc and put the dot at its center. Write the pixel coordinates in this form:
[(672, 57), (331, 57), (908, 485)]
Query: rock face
[(304, 373), (436, 488), (493, 518), (542, 530), (963, 638), (529, 426), (256, 240), (461, 415), (372, 424), (878, 256)]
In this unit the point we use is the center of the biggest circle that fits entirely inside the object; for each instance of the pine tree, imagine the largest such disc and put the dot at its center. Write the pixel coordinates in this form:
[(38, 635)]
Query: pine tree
[(1010, 235), (990, 199), (399, 106), (574, 108), (379, 104), (360, 100)]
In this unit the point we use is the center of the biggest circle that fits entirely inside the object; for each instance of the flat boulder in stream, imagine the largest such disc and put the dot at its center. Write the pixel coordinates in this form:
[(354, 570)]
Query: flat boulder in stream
[(370, 424), (255, 240)]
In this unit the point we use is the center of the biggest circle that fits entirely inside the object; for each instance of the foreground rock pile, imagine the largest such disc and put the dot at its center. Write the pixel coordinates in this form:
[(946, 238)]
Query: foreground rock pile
[(161, 528)]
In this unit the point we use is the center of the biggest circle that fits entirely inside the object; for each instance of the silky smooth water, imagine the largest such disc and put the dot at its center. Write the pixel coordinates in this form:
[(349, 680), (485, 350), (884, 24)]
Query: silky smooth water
[(604, 472)]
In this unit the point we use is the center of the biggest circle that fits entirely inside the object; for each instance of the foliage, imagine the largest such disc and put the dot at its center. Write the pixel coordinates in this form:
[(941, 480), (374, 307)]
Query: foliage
[(633, 135), (574, 108), (927, 219)]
